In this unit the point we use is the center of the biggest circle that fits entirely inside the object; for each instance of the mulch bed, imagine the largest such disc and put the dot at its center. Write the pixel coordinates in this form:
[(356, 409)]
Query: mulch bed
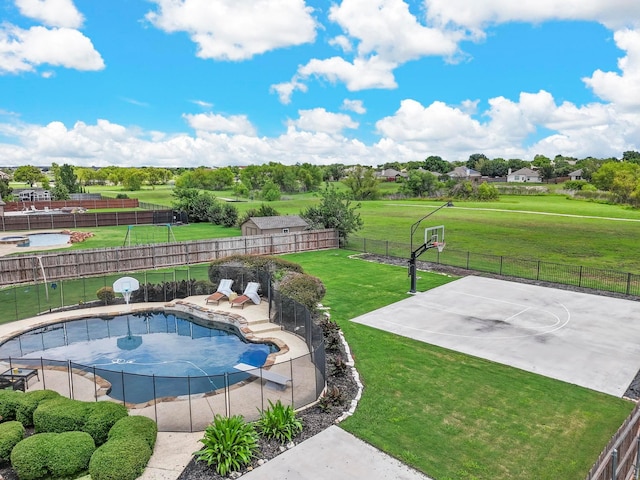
[(314, 420)]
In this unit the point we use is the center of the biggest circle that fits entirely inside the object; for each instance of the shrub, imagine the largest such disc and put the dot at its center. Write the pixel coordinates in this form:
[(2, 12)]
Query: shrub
[(339, 366), (28, 403), (106, 295), (9, 401), (122, 196), (69, 453), (333, 397), (103, 416), (574, 184), (11, 433), (120, 459), (229, 443), (304, 289), (279, 422), (203, 287), (60, 415), (54, 455), (243, 268), (132, 426)]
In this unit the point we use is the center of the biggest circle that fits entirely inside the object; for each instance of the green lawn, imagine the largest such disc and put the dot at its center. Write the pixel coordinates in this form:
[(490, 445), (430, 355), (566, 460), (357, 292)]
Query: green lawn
[(450, 415), (522, 226)]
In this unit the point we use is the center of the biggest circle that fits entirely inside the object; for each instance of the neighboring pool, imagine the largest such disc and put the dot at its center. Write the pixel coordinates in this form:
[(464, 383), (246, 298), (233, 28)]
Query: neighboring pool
[(143, 352), (45, 240)]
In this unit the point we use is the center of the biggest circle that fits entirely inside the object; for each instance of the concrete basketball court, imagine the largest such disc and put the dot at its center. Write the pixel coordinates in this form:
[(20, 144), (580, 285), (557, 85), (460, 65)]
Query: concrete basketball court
[(587, 340)]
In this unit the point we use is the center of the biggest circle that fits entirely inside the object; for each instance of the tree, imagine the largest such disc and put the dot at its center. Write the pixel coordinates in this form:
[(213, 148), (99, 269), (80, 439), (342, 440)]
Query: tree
[(631, 156), (474, 159), (133, 179), (65, 176), (270, 192), (157, 176), (334, 211), (434, 163), (28, 174), (196, 204), (362, 183), (5, 190), (420, 183)]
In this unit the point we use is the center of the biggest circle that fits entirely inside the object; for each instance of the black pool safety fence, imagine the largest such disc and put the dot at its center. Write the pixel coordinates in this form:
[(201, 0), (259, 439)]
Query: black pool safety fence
[(614, 281), (177, 404)]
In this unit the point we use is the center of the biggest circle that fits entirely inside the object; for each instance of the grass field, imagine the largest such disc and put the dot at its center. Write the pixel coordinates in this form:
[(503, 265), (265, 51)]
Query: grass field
[(450, 415), (552, 228)]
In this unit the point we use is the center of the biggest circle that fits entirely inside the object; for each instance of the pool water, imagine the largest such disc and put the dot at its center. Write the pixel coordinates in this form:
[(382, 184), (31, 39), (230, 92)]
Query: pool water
[(45, 240), (180, 355)]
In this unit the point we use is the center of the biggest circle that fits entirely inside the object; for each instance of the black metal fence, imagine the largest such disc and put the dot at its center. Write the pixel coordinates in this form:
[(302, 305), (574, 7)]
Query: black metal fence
[(192, 408), (625, 283)]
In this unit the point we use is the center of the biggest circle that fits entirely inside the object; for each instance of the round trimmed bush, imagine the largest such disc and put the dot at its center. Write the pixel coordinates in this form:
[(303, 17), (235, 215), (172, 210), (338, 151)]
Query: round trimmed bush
[(29, 402), (54, 455), (103, 416), (60, 415), (29, 457), (9, 401), (11, 433), (135, 426), (106, 295), (304, 289), (120, 459)]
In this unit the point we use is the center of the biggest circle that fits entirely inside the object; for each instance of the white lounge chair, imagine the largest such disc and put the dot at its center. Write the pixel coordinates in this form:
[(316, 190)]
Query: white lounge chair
[(250, 293), (223, 291)]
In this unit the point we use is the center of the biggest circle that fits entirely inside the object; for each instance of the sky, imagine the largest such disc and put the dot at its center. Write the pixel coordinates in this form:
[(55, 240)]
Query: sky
[(187, 83)]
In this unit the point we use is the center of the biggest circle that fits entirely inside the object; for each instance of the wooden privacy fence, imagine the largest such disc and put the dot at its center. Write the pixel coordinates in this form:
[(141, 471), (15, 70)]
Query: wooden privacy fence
[(619, 460), (84, 263), (88, 203), (48, 221)]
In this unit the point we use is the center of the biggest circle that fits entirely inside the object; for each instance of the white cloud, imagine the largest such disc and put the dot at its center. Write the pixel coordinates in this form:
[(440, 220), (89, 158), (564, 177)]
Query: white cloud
[(363, 73), (23, 50), (388, 29), (54, 13), (504, 129), (475, 15), (319, 120), (286, 89), (211, 122), (621, 89), (385, 35), (202, 103), (354, 105), (237, 29)]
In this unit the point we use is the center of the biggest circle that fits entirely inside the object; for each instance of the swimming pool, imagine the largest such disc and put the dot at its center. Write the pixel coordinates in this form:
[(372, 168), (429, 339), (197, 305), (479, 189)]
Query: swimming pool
[(45, 239), (145, 355)]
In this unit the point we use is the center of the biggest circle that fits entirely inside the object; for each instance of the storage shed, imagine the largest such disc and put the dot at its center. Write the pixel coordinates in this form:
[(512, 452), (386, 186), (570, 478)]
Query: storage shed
[(271, 225)]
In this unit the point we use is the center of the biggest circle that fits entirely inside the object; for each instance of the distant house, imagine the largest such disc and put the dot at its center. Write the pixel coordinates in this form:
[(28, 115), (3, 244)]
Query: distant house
[(275, 224), (390, 175), (524, 175), (33, 195), (464, 173), (577, 175)]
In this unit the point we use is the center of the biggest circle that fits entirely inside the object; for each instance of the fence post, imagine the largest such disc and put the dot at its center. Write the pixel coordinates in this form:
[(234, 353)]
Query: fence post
[(364, 245), (628, 283), (500, 264), (614, 465), (387, 249), (468, 255), (580, 277), (637, 465), (538, 272)]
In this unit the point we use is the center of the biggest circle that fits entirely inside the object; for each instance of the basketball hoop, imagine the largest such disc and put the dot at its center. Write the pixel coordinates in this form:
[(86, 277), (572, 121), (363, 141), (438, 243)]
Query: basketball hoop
[(125, 286), (439, 245)]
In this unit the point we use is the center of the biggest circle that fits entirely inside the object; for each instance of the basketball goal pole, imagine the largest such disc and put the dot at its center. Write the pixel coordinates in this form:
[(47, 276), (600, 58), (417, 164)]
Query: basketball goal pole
[(422, 248)]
